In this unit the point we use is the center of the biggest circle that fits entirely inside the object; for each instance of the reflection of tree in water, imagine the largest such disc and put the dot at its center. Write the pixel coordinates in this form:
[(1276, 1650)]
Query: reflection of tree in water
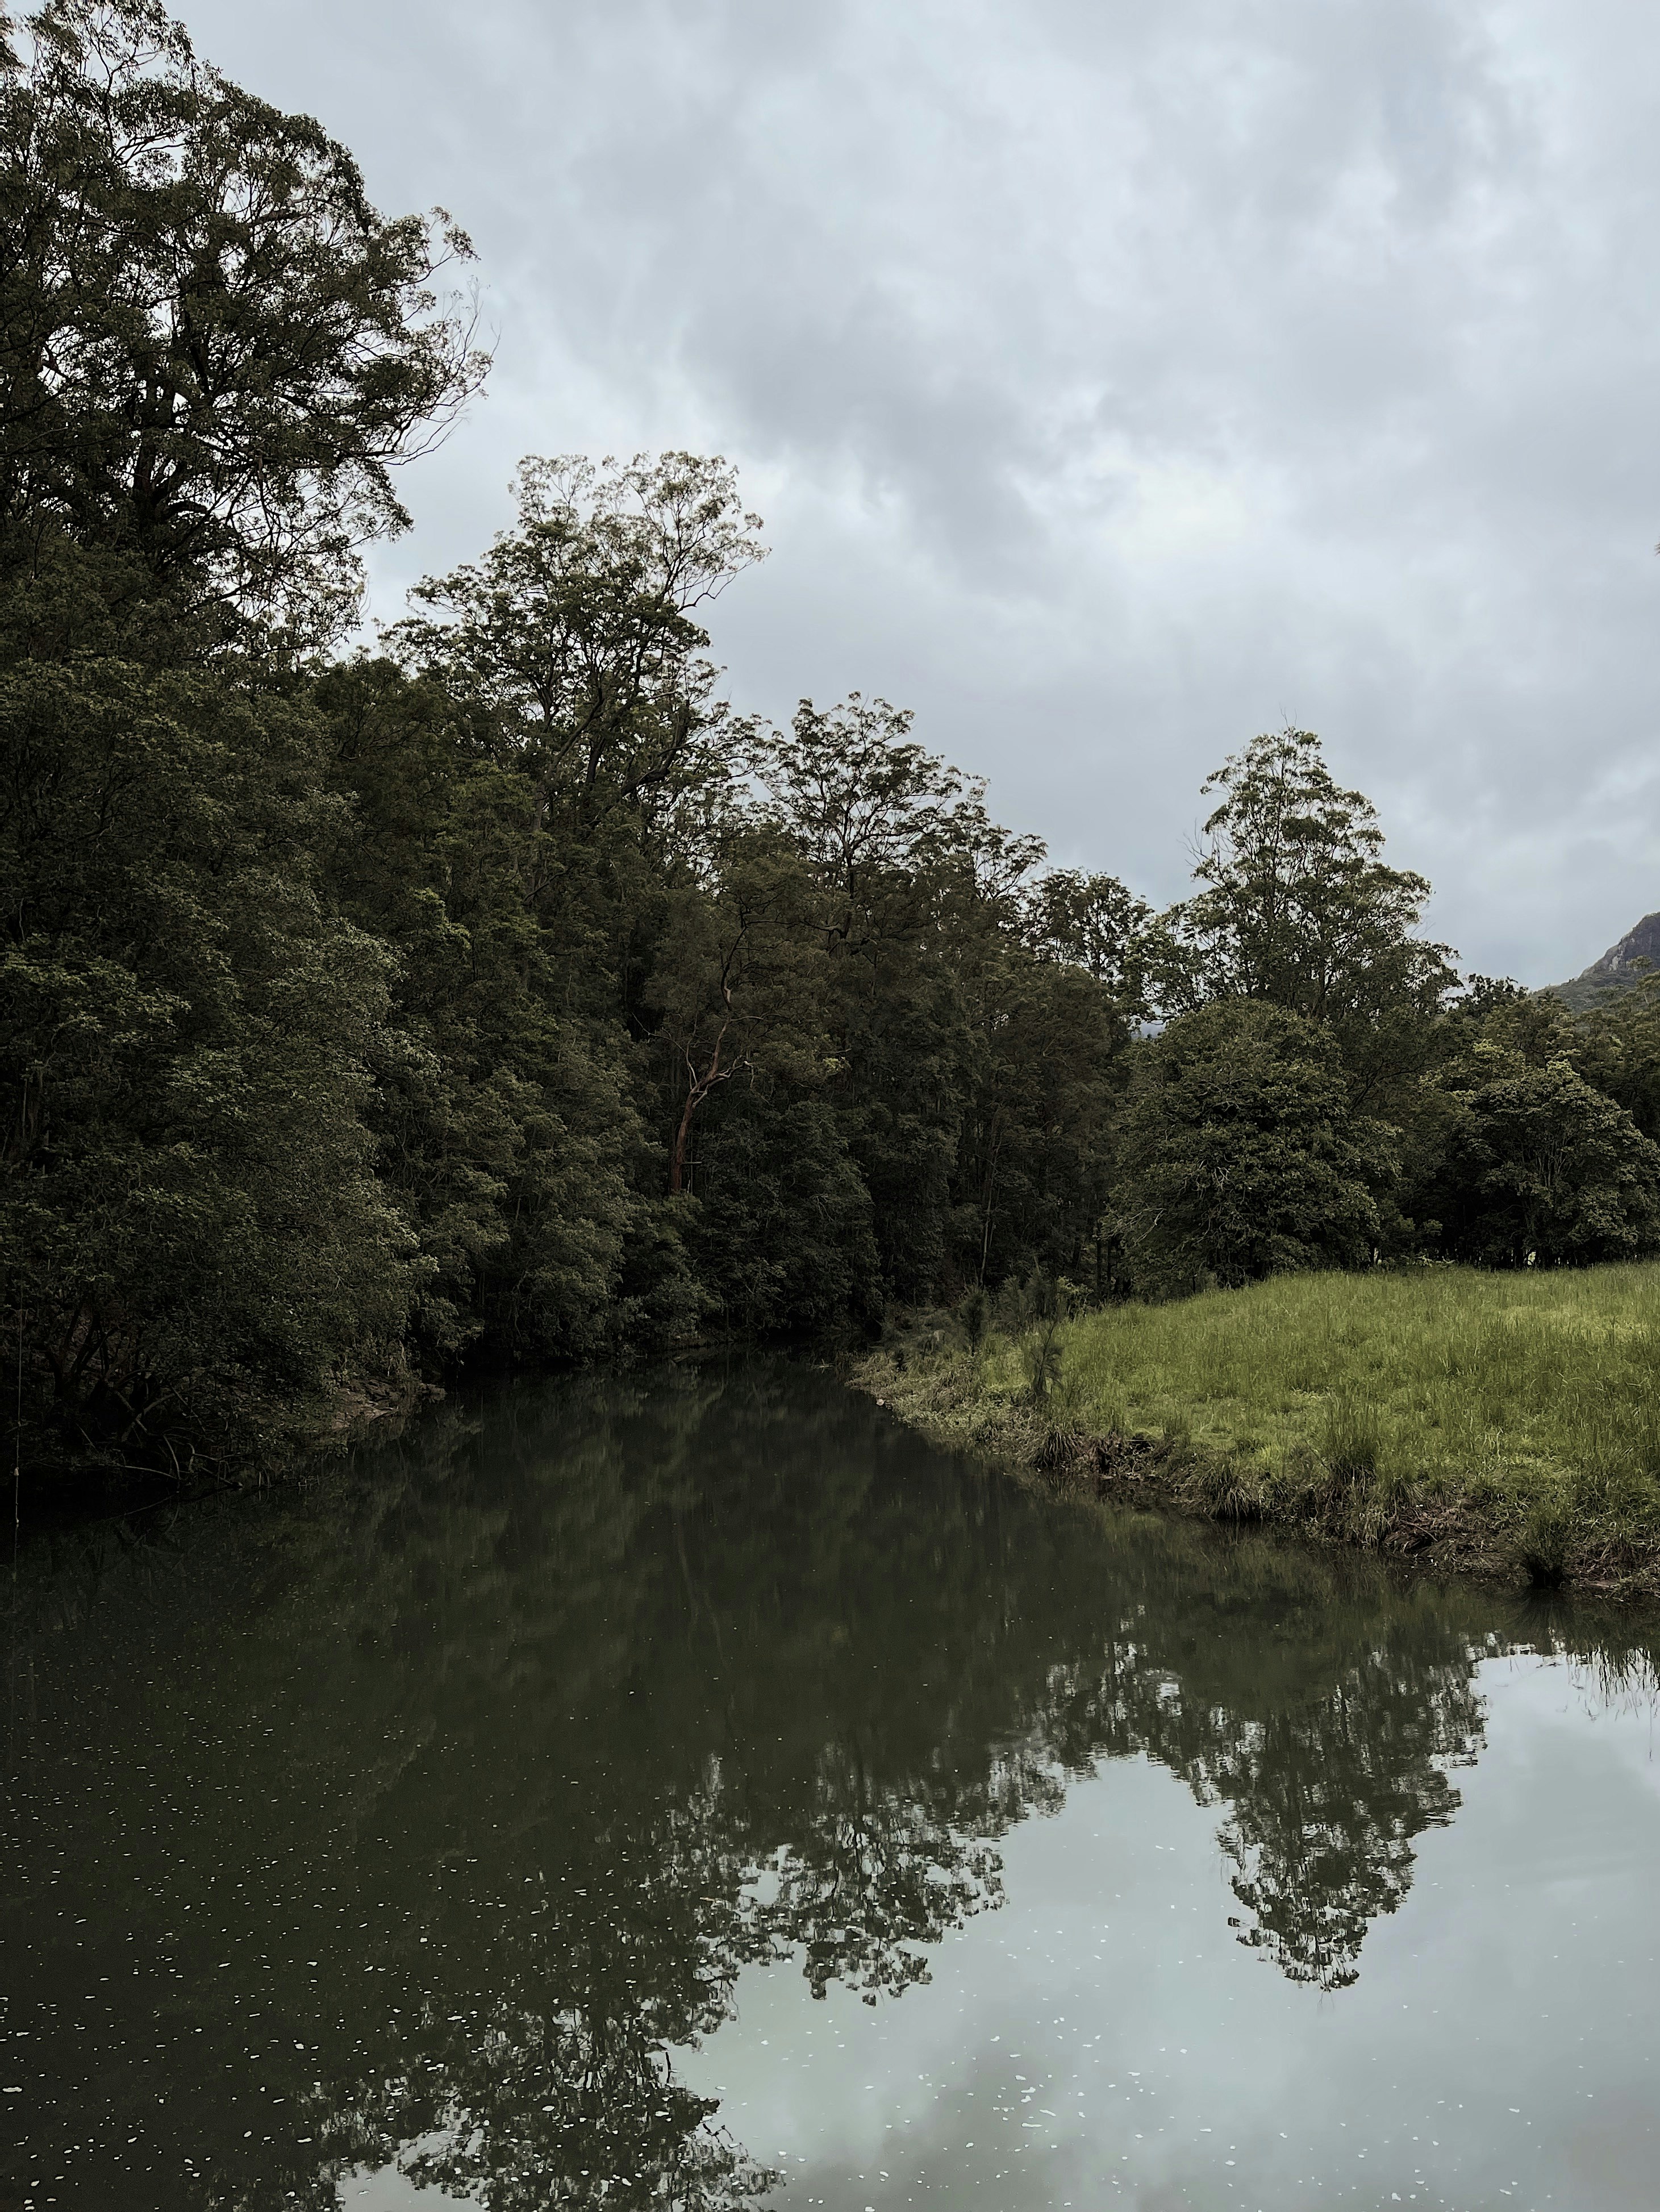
[(875, 1879), (1327, 1804), (1325, 1727), (554, 2085), (599, 1695)]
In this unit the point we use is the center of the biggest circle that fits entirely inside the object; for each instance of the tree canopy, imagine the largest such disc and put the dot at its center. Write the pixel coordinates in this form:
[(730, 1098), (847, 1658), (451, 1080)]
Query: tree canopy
[(213, 351), (1299, 909), (1241, 1154)]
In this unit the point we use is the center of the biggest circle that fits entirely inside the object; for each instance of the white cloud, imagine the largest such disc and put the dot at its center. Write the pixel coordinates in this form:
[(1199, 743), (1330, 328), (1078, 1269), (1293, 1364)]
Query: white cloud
[(1115, 380)]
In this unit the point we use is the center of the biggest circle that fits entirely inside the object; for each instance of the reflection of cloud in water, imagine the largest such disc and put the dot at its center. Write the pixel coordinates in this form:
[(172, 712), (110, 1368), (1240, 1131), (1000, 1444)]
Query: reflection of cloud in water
[(1518, 1980), (391, 2188)]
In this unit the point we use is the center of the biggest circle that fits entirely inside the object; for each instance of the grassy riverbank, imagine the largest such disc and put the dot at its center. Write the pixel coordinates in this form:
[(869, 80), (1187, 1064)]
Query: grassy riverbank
[(1505, 1423)]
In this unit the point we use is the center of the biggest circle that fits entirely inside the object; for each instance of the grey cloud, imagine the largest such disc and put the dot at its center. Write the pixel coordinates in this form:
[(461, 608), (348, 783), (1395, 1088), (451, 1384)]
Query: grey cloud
[(1116, 380)]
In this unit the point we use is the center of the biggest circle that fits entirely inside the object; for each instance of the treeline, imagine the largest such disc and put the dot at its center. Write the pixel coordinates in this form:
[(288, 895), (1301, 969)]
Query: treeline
[(502, 996), (1325, 1091)]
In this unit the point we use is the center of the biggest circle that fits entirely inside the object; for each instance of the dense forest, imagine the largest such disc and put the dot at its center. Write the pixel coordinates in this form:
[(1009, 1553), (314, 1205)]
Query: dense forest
[(499, 993)]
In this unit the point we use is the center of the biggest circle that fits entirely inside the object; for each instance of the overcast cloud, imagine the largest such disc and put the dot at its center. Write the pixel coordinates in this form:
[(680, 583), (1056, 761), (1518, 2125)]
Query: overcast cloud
[(1116, 380)]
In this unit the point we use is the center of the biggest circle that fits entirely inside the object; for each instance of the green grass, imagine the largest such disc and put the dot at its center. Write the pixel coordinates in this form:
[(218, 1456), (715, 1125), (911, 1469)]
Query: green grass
[(1516, 1417)]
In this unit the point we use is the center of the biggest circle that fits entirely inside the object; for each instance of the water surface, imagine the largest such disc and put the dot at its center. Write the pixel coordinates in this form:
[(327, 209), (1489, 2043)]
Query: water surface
[(688, 1789)]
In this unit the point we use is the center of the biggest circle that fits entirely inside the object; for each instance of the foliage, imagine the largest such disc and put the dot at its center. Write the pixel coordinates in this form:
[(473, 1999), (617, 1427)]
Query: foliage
[(1538, 1166), (508, 1127), (573, 639), (1095, 923), (1617, 1047), (1239, 1155), (1300, 911), (970, 1072), (213, 351), (194, 1238)]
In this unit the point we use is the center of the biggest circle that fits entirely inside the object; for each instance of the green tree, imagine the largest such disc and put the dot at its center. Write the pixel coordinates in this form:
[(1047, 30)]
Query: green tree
[(1050, 1058), (1095, 923), (881, 824), (782, 1222), (976, 1019), (739, 979), (1240, 1154), (575, 637), (1301, 911), (1615, 1046), (590, 774), (196, 1252), (213, 351), (573, 668), (509, 1128), (1535, 1165)]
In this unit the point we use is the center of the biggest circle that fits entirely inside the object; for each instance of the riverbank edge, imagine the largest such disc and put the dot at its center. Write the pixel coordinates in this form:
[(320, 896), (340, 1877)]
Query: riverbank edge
[(1492, 1540)]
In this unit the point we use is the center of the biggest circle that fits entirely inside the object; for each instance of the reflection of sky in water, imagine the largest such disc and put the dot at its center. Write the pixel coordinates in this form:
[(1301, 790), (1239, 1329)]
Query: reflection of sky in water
[(391, 2190), (1104, 2037)]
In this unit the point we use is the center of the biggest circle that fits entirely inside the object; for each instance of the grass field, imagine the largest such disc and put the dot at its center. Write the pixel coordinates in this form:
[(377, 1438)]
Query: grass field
[(1509, 1422)]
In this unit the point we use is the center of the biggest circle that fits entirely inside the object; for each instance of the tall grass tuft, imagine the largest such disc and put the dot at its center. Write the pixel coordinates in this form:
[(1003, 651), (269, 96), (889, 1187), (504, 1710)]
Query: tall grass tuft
[(1547, 1541), (1111, 1417), (1040, 1359), (1351, 1441)]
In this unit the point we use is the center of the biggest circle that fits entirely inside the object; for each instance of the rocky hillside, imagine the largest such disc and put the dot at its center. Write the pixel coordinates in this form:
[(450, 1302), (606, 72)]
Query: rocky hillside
[(1636, 955)]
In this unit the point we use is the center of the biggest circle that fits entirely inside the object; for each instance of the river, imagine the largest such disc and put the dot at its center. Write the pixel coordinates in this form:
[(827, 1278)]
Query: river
[(688, 1788)]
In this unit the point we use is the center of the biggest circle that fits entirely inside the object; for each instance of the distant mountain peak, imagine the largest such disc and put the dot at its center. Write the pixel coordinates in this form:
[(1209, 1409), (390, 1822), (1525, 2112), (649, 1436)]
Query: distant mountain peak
[(1636, 955)]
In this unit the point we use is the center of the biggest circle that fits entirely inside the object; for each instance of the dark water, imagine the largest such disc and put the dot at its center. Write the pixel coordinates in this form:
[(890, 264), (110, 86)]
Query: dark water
[(649, 1792)]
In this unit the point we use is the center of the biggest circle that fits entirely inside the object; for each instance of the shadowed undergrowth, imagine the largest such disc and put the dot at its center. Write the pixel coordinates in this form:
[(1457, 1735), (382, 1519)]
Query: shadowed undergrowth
[(1507, 1423)]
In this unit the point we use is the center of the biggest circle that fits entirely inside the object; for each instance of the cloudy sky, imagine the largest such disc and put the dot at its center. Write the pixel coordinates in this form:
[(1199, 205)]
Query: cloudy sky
[(1116, 380)]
